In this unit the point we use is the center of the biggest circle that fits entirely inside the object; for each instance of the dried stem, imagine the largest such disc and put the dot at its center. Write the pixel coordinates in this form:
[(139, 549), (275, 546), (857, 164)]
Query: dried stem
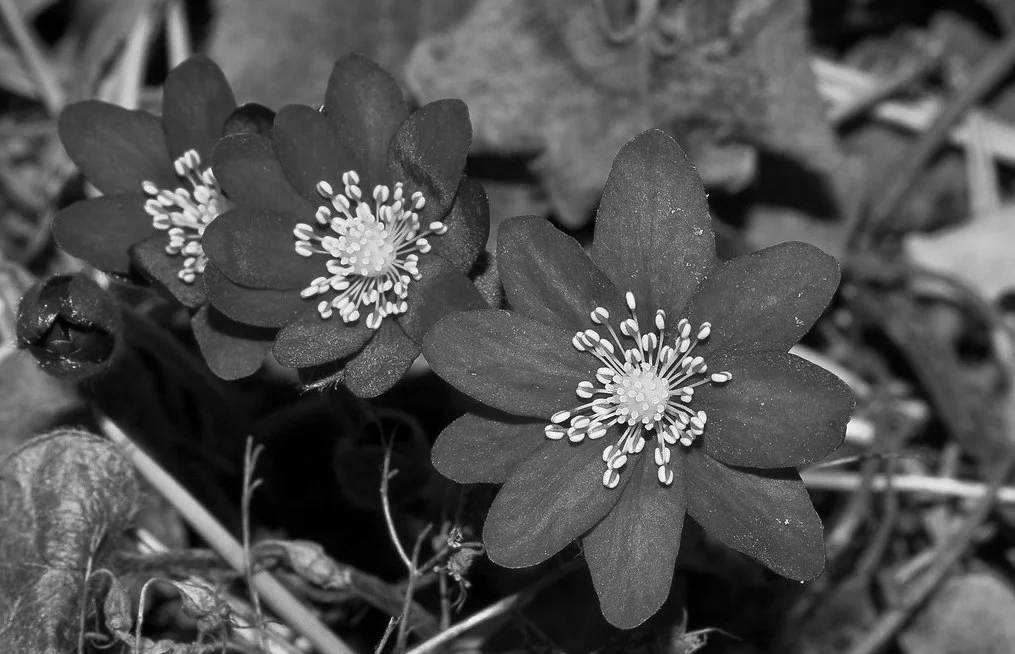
[(290, 609), (250, 484), (386, 475), (403, 619)]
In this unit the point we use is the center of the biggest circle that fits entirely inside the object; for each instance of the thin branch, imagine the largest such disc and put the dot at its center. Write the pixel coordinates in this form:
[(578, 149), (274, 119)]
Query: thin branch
[(403, 619), (866, 101), (46, 82), (277, 596), (509, 603), (250, 456), (386, 475)]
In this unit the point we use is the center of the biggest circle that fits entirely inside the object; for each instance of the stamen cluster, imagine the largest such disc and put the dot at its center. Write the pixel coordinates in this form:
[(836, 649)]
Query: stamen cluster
[(185, 213), (645, 387), (373, 250)]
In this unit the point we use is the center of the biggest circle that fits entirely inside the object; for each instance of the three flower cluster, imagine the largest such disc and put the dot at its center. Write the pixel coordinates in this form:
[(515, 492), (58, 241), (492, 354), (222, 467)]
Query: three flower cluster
[(620, 390)]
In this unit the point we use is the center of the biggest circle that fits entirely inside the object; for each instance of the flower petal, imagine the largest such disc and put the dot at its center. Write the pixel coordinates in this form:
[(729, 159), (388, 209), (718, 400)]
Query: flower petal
[(232, 350), (250, 118), (382, 362), (548, 277), (196, 100), (551, 498), (653, 233), (101, 230), (251, 175), (632, 551), (428, 154), (162, 270), (258, 307), (310, 151), (778, 411), (310, 340), (116, 149), (508, 361), (255, 247), (766, 300), (441, 289), (766, 514), (468, 224), (366, 107), (486, 448)]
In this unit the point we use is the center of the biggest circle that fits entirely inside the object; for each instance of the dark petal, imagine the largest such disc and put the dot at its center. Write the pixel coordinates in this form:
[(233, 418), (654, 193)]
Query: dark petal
[(551, 498), (232, 350), (766, 300), (196, 100), (254, 247), (102, 230), (310, 151), (258, 307), (116, 149), (366, 107), (653, 232), (428, 154), (249, 118), (548, 277), (486, 448), (310, 340), (441, 289), (251, 175), (508, 361), (162, 271), (778, 411), (384, 360), (468, 225), (766, 514), (632, 551)]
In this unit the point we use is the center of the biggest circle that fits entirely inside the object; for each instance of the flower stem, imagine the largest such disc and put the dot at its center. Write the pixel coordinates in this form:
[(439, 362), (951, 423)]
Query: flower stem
[(275, 595)]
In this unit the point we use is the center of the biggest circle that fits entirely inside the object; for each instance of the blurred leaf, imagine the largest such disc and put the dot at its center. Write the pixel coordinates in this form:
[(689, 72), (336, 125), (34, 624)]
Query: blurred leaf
[(971, 613), (98, 29), (979, 252), (543, 77), (278, 53), (65, 497)]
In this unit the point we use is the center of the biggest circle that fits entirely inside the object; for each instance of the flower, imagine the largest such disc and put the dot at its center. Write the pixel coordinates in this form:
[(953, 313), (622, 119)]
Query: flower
[(353, 229), (160, 194), (647, 381)]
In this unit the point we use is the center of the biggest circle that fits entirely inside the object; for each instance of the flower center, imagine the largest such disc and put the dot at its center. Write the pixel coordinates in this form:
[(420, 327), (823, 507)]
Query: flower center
[(186, 212), (373, 251), (645, 387)]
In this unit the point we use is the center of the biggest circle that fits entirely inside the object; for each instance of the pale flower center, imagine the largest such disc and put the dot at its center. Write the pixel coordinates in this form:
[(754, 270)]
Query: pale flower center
[(373, 251), (645, 386), (186, 211)]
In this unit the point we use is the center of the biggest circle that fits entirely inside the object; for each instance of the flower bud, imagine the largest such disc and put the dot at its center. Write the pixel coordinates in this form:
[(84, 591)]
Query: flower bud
[(70, 325)]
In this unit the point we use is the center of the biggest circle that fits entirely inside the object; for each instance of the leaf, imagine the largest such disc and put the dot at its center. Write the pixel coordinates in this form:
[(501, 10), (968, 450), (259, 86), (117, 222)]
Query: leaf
[(66, 498), (571, 94), (979, 252), (971, 613)]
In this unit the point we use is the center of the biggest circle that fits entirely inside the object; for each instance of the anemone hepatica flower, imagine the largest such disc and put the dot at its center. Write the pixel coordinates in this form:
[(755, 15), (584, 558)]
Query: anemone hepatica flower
[(648, 381), (353, 228), (160, 194)]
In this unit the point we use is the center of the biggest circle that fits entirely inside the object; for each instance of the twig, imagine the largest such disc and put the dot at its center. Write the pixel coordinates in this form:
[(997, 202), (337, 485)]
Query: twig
[(511, 602), (290, 609), (386, 476), (250, 456), (915, 159), (403, 619), (930, 485), (45, 80), (178, 45), (881, 91)]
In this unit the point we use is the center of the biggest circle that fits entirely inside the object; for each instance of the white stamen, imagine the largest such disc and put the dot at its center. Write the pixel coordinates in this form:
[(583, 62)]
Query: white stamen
[(373, 250), (184, 213), (643, 391)]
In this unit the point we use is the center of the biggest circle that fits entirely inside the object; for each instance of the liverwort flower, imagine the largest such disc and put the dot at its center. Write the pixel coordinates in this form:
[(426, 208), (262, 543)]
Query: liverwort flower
[(159, 196), (647, 381), (353, 228)]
